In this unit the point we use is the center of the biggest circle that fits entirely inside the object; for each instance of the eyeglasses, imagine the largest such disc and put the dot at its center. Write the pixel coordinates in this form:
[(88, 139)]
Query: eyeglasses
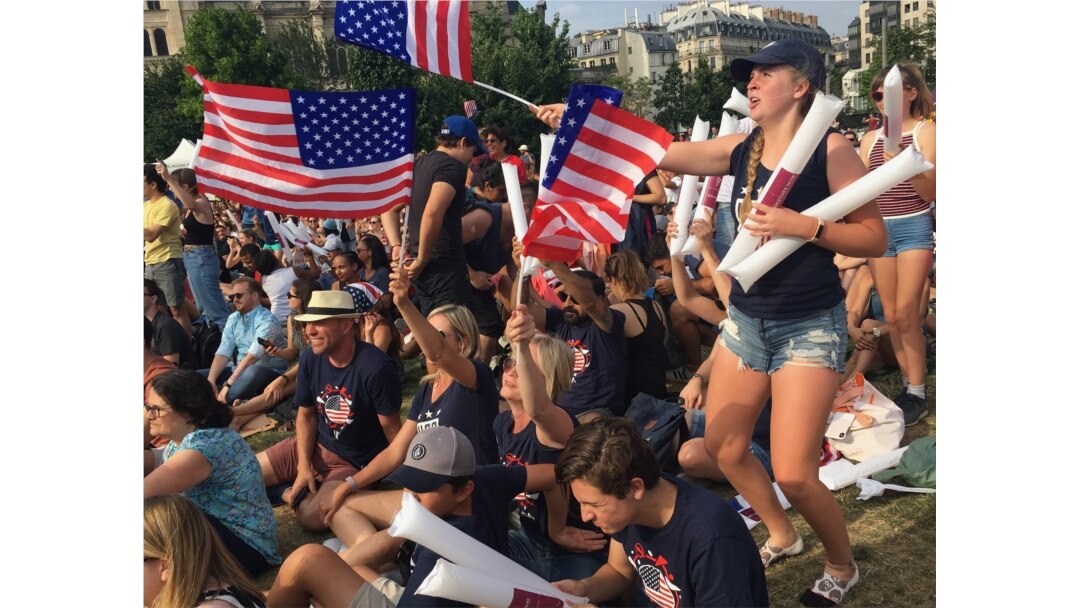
[(444, 334), (237, 296), (156, 410)]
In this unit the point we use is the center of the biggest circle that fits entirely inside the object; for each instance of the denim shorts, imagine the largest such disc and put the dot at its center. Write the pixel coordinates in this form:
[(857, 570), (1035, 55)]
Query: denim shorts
[(766, 345), (697, 431), (911, 232)]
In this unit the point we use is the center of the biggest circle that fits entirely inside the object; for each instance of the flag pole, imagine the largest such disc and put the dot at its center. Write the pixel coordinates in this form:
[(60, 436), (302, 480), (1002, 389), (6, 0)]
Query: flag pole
[(532, 106)]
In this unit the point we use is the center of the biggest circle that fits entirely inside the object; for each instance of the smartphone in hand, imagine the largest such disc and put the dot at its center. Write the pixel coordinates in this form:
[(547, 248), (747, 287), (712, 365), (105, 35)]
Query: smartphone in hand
[(265, 343)]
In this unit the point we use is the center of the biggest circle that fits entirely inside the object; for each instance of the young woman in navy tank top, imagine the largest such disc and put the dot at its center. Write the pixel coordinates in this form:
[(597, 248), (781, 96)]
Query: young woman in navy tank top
[(787, 335)]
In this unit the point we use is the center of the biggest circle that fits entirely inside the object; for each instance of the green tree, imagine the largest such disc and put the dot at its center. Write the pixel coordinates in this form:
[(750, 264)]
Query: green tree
[(229, 46), (706, 94), (637, 93), (163, 125), (917, 45), (305, 54), (669, 99)]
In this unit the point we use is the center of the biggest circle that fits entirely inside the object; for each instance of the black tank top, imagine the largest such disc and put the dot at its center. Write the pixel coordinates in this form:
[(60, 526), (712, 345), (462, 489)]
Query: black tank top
[(645, 355), (807, 281), (197, 233)]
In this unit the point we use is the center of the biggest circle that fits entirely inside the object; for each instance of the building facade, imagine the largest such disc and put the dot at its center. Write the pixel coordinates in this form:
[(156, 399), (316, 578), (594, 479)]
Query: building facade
[(907, 14), (722, 31)]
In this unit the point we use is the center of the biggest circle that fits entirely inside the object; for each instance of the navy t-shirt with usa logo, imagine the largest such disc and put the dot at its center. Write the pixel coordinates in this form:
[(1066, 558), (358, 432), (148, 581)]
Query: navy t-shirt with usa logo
[(470, 411), (600, 363), (703, 556), (350, 399)]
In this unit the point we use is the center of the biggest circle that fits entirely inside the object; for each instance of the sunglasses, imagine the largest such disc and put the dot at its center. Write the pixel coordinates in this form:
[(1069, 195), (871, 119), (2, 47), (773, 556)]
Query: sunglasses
[(563, 296), (293, 296), (508, 363), (878, 95), (237, 296)]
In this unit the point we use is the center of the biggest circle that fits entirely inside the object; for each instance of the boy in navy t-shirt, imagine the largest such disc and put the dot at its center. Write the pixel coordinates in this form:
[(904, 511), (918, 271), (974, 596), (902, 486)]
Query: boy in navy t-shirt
[(441, 471), (687, 546)]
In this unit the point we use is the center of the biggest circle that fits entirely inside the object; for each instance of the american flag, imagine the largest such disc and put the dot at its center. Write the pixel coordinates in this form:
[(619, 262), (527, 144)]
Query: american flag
[(470, 108), (310, 153), (656, 587), (431, 35), (337, 407), (600, 155)]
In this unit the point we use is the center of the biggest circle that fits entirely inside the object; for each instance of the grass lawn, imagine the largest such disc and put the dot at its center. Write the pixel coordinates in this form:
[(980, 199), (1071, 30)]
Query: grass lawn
[(893, 536)]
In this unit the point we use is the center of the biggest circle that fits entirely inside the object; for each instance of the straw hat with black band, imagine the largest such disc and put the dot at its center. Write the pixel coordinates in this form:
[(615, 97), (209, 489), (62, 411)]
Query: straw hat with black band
[(329, 305)]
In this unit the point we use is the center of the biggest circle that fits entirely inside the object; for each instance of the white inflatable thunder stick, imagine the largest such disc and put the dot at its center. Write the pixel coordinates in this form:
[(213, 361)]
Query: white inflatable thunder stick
[(903, 166), (893, 118), (517, 212), (195, 154), (738, 103), (704, 210), (461, 584), (286, 251), (802, 146), (684, 208), (415, 523), (728, 125), (842, 473)]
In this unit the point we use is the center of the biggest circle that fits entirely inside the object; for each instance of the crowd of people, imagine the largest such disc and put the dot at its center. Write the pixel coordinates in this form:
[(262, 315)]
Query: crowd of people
[(517, 432)]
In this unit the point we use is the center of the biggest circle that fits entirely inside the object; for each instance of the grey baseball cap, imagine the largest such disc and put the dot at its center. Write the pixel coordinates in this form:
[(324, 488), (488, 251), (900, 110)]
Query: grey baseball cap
[(435, 455)]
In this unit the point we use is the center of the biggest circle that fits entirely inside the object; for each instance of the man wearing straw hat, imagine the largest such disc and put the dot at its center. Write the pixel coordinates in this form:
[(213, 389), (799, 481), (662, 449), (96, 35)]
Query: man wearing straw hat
[(348, 400)]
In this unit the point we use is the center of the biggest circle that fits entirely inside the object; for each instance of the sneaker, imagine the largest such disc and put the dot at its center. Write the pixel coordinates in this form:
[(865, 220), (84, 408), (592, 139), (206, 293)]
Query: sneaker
[(681, 374), (914, 408)]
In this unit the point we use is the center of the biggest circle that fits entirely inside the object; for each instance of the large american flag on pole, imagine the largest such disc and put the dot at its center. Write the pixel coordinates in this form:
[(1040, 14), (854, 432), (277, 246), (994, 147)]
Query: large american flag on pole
[(431, 35), (600, 154), (323, 154)]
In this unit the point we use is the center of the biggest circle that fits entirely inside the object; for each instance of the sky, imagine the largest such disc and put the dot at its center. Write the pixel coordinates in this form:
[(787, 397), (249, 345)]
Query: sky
[(833, 15)]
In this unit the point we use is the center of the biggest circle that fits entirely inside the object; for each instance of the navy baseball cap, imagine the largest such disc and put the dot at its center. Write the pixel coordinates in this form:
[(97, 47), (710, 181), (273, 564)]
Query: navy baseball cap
[(459, 126), (796, 53)]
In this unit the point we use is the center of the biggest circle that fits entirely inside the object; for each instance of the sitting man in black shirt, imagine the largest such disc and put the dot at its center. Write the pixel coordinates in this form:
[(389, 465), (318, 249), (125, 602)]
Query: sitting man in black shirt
[(348, 399), (594, 333)]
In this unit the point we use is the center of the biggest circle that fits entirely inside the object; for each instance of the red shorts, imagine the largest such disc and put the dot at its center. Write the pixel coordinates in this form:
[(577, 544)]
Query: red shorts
[(327, 465)]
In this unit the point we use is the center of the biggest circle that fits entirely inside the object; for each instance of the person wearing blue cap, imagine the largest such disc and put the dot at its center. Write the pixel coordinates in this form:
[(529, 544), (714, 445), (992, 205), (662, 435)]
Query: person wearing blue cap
[(787, 335), (436, 257)]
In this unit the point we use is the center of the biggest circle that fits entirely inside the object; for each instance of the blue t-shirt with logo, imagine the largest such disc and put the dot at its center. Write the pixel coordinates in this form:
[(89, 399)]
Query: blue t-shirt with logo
[(350, 399), (599, 363), (495, 487), (703, 556), (470, 411)]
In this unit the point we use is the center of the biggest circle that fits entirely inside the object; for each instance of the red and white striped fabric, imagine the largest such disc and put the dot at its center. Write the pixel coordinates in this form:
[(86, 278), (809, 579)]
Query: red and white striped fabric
[(267, 148), (433, 35), (600, 155)]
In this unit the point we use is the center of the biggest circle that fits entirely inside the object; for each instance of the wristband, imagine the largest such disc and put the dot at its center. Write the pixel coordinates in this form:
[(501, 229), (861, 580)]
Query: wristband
[(820, 231), (355, 487), (698, 376)]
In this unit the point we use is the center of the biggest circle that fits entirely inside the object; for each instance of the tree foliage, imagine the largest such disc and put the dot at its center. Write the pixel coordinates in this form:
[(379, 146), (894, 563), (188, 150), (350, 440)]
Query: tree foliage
[(637, 93), (305, 54), (706, 92), (917, 45), (163, 125), (669, 99), (229, 46)]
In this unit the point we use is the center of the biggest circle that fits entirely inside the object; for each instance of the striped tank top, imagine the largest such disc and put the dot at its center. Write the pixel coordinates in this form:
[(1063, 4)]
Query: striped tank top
[(902, 199)]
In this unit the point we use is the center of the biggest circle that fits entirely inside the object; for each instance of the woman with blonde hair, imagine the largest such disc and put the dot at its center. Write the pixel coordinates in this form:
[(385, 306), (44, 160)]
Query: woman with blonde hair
[(900, 275), (787, 335), (552, 540), (645, 326), (458, 390), (185, 563)]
